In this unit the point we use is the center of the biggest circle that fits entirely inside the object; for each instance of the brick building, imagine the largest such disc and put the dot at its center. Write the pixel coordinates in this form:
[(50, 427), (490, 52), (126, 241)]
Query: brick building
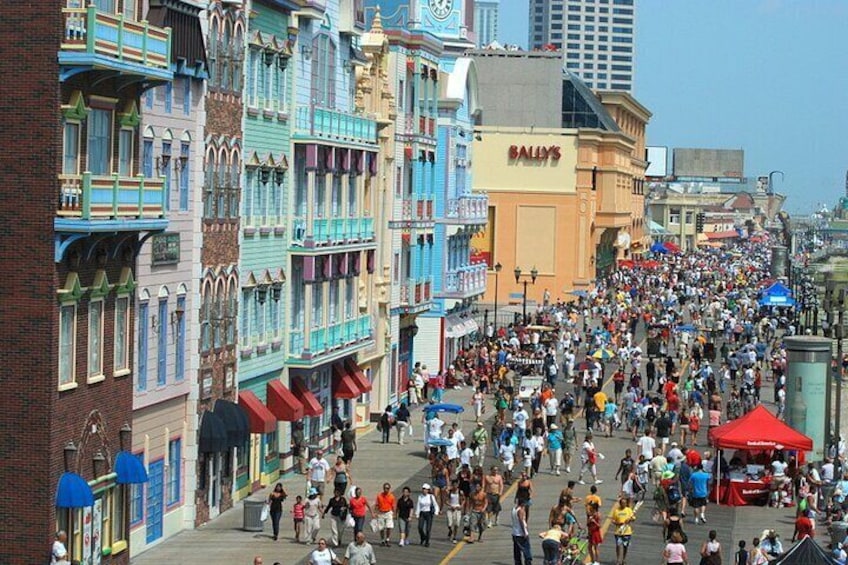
[(74, 229)]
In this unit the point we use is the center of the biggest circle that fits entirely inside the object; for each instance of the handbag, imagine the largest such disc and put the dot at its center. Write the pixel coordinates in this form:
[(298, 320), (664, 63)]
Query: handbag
[(350, 522), (266, 512)]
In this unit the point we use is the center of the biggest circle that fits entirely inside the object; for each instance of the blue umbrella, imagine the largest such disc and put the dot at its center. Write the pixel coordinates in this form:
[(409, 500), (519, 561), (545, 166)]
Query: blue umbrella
[(439, 442), (658, 248), (687, 328), (450, 408), (580, 293), (73, 492)]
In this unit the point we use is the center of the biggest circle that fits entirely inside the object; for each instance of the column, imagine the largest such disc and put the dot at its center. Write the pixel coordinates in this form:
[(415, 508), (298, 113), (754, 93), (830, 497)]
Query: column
[(807, 389)]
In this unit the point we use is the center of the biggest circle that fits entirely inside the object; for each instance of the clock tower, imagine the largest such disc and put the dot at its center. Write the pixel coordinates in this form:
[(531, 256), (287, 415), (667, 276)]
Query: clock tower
[(446, 19)]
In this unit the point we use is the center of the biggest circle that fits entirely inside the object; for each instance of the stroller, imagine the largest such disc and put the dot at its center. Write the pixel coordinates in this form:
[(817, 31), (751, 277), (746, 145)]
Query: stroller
[(577, 550)]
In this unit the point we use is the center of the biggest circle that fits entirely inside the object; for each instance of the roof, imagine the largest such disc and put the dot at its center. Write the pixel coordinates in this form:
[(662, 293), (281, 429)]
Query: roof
[(657, 228), (722, 234), (761, 430), (805, 552), (743, 201), (187, 42), (581, 108)]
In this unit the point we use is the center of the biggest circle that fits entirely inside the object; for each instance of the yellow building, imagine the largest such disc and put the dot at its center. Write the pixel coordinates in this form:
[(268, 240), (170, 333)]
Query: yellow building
[(568, 202)]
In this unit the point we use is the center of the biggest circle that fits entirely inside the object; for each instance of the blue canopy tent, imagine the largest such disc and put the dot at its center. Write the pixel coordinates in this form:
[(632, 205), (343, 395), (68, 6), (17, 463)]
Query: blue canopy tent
[(658, 248), (777, 295)]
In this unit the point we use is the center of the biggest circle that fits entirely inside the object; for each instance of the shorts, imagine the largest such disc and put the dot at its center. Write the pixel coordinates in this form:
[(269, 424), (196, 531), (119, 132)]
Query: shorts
[(454, 517), (440, 482), (386, 520), (623, 541), (698, 502), (509, 465), (494, 503), (664, 440), (337, 436), (319, 486)]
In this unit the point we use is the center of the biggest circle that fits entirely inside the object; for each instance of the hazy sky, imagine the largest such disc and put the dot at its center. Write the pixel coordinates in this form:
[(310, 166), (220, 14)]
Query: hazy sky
[(767, 76)]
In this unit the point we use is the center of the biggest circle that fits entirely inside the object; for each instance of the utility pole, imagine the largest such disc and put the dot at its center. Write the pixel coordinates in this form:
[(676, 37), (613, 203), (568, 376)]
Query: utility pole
[(839, 375)]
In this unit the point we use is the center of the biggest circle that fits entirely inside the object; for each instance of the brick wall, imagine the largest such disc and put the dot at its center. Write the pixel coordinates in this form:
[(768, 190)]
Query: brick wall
[(29, 39)]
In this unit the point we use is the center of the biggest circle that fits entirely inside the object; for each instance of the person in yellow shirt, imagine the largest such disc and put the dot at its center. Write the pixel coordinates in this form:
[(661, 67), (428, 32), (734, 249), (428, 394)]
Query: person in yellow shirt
[(600, 399), (592, 498), (622, 516)]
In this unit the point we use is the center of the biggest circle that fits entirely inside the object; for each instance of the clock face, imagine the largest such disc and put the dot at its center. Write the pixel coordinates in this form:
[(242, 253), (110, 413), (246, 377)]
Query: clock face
[(441, 9)]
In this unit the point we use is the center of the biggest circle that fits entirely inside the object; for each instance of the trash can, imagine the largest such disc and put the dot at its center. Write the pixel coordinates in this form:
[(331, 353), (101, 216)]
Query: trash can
[(838, 531), (253, 516)]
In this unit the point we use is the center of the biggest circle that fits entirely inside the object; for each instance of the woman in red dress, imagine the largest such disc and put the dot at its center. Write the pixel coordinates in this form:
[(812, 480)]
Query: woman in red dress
[(593, 523)]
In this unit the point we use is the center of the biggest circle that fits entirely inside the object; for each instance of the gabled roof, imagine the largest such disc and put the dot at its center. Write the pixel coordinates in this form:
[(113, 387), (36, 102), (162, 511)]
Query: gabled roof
[(742, 201), (581, 108)]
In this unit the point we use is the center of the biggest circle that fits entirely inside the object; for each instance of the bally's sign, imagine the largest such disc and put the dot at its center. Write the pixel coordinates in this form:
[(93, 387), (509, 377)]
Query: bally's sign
[(535, 152)]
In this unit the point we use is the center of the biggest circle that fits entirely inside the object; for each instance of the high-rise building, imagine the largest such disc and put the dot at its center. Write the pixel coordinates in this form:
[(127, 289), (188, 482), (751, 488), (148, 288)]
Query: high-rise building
[(596, 35), (486, 21)]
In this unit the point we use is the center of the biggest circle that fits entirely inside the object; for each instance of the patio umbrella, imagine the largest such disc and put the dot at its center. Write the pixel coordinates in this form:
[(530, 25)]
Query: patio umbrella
[(603, 353), (585, 366), (658, 248), (687, 328)]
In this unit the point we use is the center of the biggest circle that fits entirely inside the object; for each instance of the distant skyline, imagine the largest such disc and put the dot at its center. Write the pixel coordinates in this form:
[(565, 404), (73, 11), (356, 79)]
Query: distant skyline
[(766, 76)]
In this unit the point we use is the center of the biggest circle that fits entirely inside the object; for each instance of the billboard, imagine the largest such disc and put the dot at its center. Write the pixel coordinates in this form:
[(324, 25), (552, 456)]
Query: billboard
[(483, 242), (709, 163), (657, 158)]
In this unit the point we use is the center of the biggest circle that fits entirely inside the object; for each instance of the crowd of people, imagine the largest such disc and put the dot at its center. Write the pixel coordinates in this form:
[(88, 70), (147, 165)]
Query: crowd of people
[(709, 350)]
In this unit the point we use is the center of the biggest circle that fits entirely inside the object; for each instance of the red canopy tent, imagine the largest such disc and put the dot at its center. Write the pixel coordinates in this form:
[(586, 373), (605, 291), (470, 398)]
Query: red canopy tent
[(759, 430)]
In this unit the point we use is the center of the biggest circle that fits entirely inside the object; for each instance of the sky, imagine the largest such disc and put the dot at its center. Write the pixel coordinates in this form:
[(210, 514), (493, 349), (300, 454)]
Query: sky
[(766, 76)]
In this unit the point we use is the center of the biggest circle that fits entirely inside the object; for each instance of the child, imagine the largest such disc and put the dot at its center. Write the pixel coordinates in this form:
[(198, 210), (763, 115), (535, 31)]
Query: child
[(573, 554), (297, 513), (741, 556)]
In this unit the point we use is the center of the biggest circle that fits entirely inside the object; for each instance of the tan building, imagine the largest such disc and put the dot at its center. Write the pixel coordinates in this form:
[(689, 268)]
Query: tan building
[(565, 201)]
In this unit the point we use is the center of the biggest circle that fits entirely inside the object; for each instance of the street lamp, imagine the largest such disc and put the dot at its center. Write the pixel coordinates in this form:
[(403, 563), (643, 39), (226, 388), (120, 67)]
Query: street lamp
[(498, 268), (533, 274), (770, 185)]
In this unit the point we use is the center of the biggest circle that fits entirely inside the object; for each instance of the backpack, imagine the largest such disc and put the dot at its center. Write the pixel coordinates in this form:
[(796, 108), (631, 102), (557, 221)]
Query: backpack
[(673, 494), (650, 414)]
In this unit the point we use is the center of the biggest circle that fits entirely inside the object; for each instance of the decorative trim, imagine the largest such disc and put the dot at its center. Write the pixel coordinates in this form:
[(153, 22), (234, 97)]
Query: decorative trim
[(100, 287), (130, 117), (72, 291), (126, 284), (75, 109)]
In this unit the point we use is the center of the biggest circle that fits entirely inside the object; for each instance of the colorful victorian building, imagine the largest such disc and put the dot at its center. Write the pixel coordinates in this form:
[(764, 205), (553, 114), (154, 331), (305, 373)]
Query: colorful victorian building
[(74, 229), (222, 428), (166, 306), (458, 214), (331, 232), (263, 252), (414, 68)]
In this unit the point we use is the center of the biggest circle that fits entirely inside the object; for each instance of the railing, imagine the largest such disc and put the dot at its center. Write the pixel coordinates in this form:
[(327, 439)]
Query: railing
[(414, 292), (93, 32), (316, 121), (466, 280), (336, 231), (469, 208), (332, 337), (110, 197)]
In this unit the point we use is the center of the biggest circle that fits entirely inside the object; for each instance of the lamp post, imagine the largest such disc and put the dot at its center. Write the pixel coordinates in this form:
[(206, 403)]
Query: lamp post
[(840, 319), (533, 274), (770, 184), (498, 268)]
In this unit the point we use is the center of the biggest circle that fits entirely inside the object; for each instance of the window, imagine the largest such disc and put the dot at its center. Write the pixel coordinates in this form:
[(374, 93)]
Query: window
[(573, 27), (166, 183), (125, 152), (282, 98), (274, 318), (179, 354), (234, 183), (100, 141), (70, 164), (621, 77), (317, 305), (334, 300), (95, 339), (209, 180), (320, 194), (270, 440), (401, 92), (336, 196), (253, 69), (184, 175), (206, 317), (148, 99), (232, 311), (269, 74), (147, 158), (119, 510), (622, 58), (246, 300), (351, 194), (350, 287), (143, 321), (186, 96), (323, 71), (162, 344), (169, 96), (137, 499), (67, 344), (122, 333), (174, 471), (689, 217), (674, 216)]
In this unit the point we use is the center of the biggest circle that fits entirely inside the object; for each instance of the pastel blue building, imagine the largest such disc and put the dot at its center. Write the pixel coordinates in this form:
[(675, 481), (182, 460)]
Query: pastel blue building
[(458, 214)]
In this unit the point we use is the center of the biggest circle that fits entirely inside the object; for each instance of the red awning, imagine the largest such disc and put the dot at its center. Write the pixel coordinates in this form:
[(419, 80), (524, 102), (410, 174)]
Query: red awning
[(730, 234), (282, 403), (671, 246), (759, 430), (358, 375), (261, 419), (311, 406), (343, 384)]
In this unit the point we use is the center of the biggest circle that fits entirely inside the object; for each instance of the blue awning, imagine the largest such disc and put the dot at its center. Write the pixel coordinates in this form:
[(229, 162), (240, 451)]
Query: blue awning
[(129, 469), (73, 492)]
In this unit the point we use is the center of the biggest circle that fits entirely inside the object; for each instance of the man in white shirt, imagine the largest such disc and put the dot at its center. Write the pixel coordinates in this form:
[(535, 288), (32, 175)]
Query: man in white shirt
[(318, 469), (551, 410), (507, 455), (675, 454), (520, 417), (827, 470), (647, 445), (59, 553), (465, 454), (434, 427)]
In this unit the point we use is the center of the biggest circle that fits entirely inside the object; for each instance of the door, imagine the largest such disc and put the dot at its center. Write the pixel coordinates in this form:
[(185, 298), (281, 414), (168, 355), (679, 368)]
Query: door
[(255, 461), (214, 492), (155, 499)]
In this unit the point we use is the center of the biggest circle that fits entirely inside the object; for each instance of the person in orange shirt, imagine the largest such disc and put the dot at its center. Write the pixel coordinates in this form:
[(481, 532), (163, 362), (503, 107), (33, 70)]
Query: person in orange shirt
[(385, 507)]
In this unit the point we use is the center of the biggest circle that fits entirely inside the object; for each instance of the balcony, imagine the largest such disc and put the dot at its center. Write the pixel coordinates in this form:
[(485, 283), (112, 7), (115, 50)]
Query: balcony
[(322, 124), (465, 282), (95, 40), (415, 213), (471, 209), (415, 296), (333, 232), (320, 345)]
